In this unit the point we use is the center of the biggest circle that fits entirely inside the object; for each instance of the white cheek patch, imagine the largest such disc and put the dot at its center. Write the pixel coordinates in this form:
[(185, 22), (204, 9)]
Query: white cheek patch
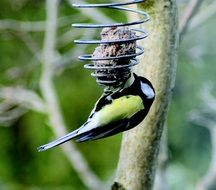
[(147, 90)]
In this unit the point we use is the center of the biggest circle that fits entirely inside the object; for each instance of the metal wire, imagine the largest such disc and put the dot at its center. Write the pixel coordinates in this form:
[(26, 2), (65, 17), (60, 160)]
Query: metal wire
[(113, 75)]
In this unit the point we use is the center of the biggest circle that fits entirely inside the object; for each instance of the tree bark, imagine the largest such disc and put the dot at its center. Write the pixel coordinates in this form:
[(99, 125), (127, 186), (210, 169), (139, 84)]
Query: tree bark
[(139, 150)]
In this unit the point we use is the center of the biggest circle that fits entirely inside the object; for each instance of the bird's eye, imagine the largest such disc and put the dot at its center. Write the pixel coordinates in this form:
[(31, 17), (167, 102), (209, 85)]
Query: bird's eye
[(147, 90)]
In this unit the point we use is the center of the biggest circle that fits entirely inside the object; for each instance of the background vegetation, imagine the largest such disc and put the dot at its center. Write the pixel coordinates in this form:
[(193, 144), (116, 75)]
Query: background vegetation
[(23, 127)]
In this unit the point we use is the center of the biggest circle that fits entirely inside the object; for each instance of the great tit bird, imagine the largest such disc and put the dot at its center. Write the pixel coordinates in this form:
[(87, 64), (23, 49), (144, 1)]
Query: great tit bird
[(113, 113)]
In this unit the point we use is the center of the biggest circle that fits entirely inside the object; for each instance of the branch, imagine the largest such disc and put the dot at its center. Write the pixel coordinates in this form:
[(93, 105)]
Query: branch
[(5, 106), (31, 45), (200, 118), (187, 15), (208, 182), (68, 37), (207, 119), (16, 102), (207, 96), (139, 150), (66, 59), (47, 88), (22, 97), (12, 115), (30, 26), (203, 16)]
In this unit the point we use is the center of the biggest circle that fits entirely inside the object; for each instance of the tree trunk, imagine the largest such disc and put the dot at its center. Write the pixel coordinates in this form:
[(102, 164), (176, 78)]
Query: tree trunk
[(139, 150)]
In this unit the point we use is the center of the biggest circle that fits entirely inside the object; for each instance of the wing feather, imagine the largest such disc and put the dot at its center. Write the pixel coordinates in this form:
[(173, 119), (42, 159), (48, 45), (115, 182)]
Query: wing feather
[(121, 108)]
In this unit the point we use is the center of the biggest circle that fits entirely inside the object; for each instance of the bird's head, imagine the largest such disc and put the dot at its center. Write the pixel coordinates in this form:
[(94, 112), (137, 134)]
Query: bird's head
[(145, 86)]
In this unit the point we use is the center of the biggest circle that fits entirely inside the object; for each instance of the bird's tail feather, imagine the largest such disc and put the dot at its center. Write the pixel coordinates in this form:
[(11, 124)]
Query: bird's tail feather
[(59, 141), (102, 132)]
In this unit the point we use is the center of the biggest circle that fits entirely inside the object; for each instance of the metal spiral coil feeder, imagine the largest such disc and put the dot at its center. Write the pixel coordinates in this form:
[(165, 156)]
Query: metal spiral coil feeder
[(117, 52)]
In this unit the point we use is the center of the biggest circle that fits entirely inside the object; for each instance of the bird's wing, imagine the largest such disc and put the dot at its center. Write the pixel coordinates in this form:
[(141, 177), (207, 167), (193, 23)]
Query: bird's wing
[(112, 118), (104, 100), (121, 108), (105, 131)]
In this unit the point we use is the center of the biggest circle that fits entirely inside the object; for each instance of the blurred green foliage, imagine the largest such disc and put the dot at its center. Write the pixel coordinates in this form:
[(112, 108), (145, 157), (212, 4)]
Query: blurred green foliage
[(22, 167)]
